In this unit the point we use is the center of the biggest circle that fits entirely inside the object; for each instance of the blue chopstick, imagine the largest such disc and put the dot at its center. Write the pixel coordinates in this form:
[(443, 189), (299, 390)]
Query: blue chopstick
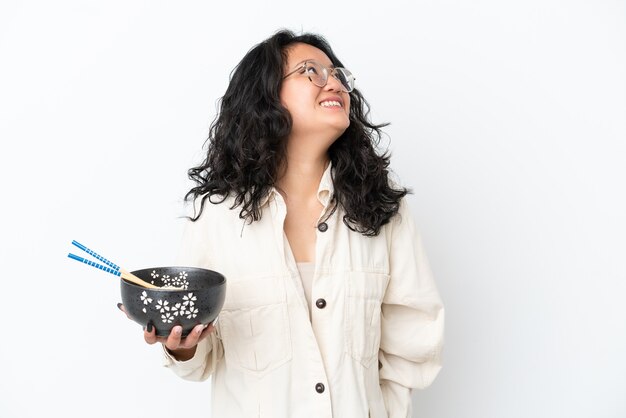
[(113, 268), (96, 265), (99, 257)]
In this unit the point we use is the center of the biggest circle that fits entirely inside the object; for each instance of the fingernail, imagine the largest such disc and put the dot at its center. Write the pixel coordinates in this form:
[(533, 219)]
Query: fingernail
[(149, 326), (119, 306), (178, 329)]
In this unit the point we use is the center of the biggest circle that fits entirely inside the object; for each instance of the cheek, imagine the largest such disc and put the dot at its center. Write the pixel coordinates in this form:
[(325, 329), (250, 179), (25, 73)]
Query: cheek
[(301, 104), (283, 98), (295, 100)]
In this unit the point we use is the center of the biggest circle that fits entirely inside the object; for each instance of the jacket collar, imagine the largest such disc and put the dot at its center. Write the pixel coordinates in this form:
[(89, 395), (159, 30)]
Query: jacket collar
[(325, 190)]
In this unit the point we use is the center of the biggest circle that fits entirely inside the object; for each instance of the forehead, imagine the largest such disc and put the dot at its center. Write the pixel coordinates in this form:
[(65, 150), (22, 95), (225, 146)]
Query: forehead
[(301, 52)]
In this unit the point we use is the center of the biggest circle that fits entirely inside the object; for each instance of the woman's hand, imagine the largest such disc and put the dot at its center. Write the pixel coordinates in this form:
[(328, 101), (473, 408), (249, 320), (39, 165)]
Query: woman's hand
[(180, 348)]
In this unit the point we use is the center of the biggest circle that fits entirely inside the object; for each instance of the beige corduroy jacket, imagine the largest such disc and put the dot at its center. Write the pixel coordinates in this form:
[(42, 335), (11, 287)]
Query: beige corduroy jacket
[(376, 327)]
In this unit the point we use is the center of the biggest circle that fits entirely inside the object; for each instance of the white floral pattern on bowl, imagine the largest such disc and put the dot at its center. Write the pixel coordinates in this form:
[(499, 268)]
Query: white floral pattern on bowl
[(168, 311)]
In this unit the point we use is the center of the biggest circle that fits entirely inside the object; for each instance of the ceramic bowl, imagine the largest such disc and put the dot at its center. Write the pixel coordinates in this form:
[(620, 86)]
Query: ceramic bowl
[(198, 300)]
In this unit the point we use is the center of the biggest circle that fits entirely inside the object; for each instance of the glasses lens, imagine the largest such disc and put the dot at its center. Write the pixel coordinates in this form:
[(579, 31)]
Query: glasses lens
[(346, 78), (316, 73)]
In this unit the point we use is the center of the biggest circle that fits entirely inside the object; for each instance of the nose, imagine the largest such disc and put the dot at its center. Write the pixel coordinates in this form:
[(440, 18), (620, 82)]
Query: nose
[(333, 84)]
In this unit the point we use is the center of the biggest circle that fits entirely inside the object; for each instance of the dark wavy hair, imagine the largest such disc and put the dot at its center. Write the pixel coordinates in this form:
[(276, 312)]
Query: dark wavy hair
[(247, 143)]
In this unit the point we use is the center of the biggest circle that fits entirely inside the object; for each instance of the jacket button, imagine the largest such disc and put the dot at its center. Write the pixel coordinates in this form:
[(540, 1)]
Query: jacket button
[(323, 227), (320, 303), (319, 387)]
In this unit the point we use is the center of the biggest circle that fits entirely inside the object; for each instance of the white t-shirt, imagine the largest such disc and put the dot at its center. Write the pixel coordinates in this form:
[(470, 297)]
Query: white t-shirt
[(306, 271)]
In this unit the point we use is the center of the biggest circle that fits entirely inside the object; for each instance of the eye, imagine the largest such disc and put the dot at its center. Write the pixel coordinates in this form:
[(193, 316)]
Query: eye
[(311, 70)]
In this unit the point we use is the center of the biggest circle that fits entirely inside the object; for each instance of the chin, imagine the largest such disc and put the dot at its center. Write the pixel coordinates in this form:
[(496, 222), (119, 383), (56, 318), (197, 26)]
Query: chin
[(339, 132), (342, 127), (341, 123)]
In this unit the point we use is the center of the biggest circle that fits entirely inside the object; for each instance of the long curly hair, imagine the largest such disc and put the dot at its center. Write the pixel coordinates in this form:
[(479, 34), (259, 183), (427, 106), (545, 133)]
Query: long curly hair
[(247, 144)]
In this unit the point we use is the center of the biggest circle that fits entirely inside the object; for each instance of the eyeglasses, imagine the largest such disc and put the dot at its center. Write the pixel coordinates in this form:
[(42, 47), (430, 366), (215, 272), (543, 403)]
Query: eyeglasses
[(318, 74)]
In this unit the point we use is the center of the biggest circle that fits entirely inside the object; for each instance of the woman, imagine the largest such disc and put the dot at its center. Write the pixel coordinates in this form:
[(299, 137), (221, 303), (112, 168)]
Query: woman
[(331, 310)]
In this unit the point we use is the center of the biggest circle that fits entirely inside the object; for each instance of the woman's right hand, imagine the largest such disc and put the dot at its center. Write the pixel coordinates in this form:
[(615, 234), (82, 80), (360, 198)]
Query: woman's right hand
[(180, 348)]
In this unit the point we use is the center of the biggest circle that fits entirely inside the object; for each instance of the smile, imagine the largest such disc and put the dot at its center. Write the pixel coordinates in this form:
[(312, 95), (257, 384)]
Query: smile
[(330, 103)]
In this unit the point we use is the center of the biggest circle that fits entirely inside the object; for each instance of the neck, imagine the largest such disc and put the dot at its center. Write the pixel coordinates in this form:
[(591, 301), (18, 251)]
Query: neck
[(302, 174)]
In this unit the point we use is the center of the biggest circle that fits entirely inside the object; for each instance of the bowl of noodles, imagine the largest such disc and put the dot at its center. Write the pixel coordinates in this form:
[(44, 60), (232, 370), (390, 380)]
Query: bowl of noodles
[(185, 296)]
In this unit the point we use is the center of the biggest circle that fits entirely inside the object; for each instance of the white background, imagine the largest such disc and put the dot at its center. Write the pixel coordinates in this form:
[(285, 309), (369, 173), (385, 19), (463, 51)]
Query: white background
[(508, 120)]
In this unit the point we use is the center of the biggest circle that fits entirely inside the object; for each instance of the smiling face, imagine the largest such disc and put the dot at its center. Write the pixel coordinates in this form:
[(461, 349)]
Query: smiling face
[(320, 113)]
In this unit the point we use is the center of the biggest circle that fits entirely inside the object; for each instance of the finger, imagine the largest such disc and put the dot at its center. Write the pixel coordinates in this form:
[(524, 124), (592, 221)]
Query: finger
[(149, 333), (121, 308), (194, 336), (173, 340), (208, 330), (205, 331), (199, 333)]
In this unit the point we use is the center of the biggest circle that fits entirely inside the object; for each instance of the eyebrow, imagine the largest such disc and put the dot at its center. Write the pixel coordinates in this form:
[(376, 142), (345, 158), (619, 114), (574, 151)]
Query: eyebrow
[(310, 59)]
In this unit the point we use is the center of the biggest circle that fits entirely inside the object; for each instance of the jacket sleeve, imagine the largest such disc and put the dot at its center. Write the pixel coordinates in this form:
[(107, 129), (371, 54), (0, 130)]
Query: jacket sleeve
[(194, 252), (412, 319), (202, 365)]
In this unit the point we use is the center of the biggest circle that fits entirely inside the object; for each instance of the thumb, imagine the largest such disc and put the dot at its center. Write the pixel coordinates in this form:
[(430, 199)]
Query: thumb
[(121, 308)]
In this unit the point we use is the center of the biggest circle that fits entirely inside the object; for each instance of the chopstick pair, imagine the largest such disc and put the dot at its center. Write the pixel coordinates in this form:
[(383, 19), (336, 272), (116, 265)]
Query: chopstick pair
[(112, 268)]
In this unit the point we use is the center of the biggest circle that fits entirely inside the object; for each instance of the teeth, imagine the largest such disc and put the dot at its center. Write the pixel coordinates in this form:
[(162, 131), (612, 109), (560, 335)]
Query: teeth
[(330, 103)]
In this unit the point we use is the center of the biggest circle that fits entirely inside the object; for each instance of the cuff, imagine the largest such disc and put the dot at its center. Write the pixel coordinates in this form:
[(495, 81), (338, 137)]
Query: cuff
[(202, 349)]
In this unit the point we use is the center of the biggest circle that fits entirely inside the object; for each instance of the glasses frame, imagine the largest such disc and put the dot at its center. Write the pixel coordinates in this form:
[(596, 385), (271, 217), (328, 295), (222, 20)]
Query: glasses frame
[(327, 73)]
